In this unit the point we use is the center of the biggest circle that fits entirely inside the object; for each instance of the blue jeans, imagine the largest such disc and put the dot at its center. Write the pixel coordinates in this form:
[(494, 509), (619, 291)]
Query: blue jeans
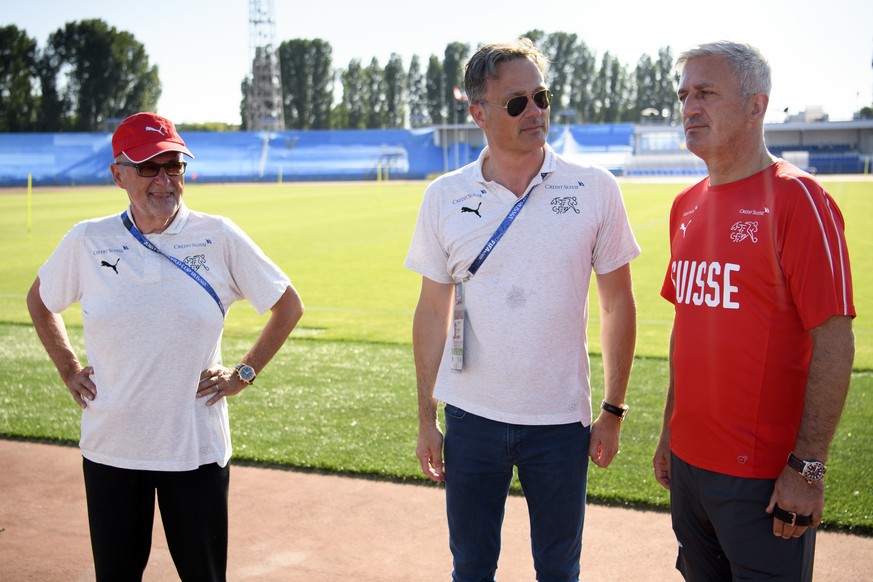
[(552, 464)]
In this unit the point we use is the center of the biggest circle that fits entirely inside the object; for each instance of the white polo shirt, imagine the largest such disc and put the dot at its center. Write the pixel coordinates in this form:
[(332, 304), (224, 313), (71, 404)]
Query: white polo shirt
[(150, 329), (525, 339)]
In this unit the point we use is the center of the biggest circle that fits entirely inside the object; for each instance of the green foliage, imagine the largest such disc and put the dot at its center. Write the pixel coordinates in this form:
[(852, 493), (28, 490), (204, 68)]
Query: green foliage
[(416, 93), (395, 92), (214, 126), (455, 56), (307, 83), (109, 76), (559, 48), (434, 87), (18, 58), (352, 112), (362, 230), (341, 395), (373, 94)]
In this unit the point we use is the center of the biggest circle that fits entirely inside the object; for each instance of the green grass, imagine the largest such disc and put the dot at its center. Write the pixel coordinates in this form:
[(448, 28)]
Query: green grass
[(343, 246), (341, 395)]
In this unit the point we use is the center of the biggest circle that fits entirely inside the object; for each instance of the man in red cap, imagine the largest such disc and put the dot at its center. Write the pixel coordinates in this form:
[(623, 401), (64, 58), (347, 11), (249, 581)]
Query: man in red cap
[(153, 283)]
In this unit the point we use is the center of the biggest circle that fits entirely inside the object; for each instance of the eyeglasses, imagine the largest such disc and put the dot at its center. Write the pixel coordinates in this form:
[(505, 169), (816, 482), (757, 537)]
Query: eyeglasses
[(516, 106), (152, 169)]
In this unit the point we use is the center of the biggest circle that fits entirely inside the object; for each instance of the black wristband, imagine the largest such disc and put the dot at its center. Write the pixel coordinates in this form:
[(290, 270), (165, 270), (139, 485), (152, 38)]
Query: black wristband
[(619, 411)]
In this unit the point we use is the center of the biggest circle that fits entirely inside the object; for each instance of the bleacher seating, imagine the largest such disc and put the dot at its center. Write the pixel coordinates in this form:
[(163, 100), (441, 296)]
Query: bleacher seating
[(83, 158), (60, 158), (682, 163), (848, 163)]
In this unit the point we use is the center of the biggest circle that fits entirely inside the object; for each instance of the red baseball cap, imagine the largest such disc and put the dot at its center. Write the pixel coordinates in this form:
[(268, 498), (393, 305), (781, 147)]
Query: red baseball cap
[(142, 136)]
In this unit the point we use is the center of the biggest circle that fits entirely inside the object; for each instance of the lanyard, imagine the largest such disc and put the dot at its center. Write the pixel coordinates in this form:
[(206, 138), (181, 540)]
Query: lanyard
[(498, 234), (128, 224)]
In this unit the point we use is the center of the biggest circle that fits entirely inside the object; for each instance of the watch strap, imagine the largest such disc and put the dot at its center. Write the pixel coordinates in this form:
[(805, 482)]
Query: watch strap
[(796, 463), (619, 411), (791, 518), (238, 369), (810, 470)]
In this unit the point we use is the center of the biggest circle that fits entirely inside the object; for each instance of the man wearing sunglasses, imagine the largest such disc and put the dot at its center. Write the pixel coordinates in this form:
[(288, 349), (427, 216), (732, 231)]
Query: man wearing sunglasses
[(154, 282), (499, 333)]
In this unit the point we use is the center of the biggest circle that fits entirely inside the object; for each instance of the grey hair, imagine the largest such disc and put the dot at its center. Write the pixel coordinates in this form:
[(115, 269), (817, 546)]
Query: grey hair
[(749, 65), (482, 66)]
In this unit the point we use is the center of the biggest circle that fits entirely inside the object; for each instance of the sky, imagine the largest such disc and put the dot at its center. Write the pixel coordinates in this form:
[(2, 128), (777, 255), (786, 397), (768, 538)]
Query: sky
[(820, 52)]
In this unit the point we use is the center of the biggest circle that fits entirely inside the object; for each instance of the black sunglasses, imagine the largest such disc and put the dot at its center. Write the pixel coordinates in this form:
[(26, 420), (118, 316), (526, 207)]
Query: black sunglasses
[(516, 106), (152, 169)]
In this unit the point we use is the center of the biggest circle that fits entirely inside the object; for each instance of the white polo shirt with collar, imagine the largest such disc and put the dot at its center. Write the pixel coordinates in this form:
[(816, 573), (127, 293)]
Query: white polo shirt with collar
[(150, 329), (525, 333)]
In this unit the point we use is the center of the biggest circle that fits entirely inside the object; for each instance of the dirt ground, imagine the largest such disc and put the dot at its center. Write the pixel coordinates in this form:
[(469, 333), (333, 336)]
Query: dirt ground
[(296, 526)]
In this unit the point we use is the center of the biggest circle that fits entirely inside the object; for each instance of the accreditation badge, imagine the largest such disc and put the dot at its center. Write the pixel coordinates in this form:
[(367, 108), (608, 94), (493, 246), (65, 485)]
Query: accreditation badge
[(458, 328)]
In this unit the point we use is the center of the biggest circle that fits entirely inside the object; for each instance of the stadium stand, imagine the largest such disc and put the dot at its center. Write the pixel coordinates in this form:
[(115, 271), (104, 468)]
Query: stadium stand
[(829, 158), (623, 148), (56, 158), (82, 158), (680, 163)]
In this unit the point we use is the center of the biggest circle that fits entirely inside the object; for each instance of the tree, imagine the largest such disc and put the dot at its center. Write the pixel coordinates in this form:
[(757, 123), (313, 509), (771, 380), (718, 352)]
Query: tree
[(620, 93), (214, 126), (582, 85), (536, 36), (373, 90), (307, 83), (665, 83), (244, 103), (416, 94), (606, 83), (646, 99), (610, 91), (434, 90), (596, 92), (456, 56), (18, 73), (91, 72), (561, 49), (351, 113), (395, 92)]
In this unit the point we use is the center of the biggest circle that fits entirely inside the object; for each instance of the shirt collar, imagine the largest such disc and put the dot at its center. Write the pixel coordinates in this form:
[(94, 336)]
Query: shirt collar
[(178, 223), (550, 162)]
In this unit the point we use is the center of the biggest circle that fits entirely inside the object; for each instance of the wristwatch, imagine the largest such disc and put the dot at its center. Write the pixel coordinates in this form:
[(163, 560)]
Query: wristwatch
[(246, 373), (809, 470), (619, 411)]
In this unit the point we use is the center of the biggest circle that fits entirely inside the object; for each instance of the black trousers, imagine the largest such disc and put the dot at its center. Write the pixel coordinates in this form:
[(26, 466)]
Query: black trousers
[(121, 510), (725, 534)]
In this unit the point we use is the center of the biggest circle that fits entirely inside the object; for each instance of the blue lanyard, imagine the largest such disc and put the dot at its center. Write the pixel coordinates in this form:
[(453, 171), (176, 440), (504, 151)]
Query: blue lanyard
[(128, 224), (498, 234)]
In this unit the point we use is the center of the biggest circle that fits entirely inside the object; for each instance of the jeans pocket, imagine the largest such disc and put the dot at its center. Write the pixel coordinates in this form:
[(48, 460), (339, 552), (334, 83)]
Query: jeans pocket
[(455, 412)]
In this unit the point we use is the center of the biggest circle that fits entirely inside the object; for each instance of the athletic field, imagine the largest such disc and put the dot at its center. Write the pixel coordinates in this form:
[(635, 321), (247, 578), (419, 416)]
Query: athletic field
[(341, 395)]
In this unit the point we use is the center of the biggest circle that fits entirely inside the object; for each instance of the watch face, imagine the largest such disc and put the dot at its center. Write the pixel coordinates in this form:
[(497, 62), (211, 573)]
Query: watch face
[(814, 471), (247, 373)]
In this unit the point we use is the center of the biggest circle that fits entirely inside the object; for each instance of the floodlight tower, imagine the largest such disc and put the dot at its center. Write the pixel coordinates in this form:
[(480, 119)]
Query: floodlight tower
[(264, 110)]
